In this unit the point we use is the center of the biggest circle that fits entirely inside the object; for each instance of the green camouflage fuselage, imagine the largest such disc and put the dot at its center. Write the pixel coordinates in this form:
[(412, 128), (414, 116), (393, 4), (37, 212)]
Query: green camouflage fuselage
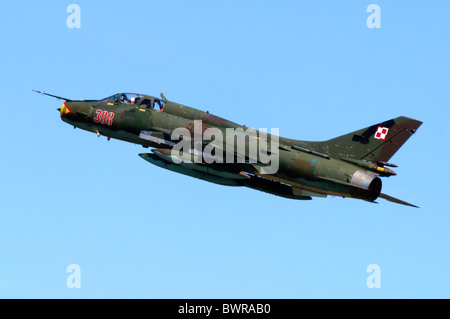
[(348, 166)]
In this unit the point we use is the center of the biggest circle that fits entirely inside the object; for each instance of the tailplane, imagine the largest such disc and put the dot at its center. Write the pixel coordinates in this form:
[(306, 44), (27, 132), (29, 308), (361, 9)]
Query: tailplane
[(396, 200)]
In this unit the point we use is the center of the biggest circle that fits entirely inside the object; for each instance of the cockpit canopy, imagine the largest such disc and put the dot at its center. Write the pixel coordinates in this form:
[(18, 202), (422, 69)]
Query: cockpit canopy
[(135, 98), (132, 98)]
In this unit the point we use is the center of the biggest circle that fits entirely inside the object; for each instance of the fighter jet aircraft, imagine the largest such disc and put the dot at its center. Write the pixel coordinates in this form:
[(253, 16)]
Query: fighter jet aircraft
[(198, 144)]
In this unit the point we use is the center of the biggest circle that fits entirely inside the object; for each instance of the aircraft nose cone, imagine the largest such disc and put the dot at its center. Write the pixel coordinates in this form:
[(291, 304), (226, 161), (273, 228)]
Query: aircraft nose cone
[(65, 110)]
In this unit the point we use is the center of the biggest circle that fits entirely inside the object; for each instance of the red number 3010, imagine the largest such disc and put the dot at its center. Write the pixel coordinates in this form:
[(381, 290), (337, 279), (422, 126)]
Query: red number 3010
[(104, 117)]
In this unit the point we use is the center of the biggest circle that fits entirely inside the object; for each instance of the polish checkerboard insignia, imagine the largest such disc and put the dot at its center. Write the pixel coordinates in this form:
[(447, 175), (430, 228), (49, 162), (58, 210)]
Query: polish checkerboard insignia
[(381, 133)]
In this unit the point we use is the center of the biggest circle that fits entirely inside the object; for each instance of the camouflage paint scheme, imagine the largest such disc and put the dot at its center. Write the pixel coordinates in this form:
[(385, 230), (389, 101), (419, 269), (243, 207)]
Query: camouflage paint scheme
[(347, 166)]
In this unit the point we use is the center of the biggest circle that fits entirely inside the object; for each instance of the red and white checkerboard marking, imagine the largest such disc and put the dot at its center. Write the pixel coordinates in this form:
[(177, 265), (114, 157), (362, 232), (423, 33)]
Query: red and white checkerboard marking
[(381, 133)]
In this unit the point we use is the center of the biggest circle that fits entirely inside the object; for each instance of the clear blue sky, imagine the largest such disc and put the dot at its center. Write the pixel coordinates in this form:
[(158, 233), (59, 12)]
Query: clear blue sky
[(313, 69)]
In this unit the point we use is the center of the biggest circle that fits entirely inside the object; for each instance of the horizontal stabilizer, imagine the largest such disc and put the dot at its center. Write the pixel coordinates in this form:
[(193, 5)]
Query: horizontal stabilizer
[(395, 200)]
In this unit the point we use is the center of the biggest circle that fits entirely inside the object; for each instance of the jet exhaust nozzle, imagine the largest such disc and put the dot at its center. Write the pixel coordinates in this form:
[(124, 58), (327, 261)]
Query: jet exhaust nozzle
[(368, 183)]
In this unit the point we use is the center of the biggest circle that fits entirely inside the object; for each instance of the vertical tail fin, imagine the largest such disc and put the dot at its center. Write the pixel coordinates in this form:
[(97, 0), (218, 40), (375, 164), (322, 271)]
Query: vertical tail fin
[(376, 143)]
